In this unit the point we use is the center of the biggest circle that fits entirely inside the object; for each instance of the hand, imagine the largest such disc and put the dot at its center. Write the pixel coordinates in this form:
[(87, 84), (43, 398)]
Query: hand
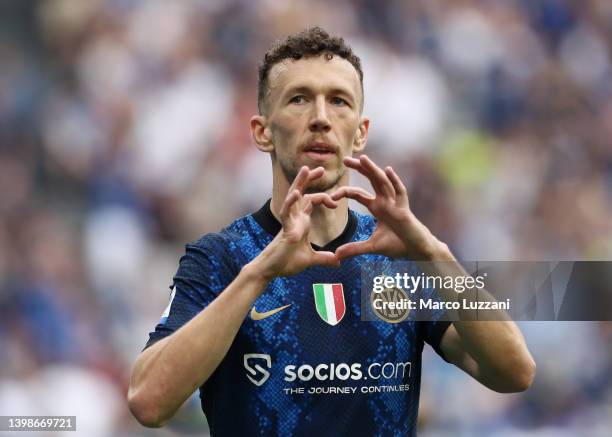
[(290, 252), (398, 233)]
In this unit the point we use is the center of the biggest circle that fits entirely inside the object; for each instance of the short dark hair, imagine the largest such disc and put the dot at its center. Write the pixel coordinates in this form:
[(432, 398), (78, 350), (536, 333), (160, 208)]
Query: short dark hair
[(309, 42)]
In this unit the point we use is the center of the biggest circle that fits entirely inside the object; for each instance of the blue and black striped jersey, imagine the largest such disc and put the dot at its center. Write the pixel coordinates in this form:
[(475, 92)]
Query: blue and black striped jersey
[(314, 367)]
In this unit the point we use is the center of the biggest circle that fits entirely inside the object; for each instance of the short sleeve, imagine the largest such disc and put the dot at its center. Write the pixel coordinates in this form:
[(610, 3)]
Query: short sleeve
[(204, 271), (433, 332), (436, 322)]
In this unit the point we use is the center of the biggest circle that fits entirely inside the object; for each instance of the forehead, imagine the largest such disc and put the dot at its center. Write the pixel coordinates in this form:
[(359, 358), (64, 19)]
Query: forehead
[(315, 72)]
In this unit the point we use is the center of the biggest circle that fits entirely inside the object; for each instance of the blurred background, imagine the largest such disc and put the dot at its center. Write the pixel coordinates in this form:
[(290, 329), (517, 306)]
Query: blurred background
[(124, 134)]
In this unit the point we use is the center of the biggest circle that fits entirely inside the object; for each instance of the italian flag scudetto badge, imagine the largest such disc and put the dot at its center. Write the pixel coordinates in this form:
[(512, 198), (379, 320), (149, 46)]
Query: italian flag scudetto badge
[(329, 300)]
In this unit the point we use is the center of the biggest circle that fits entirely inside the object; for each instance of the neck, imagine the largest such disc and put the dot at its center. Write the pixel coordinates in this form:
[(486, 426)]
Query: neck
[(326, 224)]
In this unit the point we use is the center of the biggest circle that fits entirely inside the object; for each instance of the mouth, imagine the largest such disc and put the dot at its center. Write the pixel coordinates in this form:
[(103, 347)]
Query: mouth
[(320, 151)]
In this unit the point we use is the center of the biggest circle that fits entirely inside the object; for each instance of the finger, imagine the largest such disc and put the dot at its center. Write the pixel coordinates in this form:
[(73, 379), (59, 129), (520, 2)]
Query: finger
[(290, 200), (310, 176), (353, 249), (350, 161), (401, 198), (378, 175), (307, 205), (318, 199), (398, 185), (321, 198), (300, 179), (325, 259), (355, 193), (356, 164)]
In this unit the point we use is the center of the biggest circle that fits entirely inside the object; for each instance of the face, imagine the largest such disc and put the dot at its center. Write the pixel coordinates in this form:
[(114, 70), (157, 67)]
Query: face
[(313, 117)]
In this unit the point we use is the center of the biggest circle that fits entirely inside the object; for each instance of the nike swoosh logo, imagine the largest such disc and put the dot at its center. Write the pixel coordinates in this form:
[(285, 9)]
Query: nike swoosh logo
[(255, 315)]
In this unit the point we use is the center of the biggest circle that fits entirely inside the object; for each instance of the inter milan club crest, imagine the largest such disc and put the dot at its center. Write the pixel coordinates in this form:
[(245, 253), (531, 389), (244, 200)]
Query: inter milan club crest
[(329, 300)]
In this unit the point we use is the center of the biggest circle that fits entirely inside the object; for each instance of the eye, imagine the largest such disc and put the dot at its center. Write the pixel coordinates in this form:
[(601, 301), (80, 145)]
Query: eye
[(299, 99), (339, 101)]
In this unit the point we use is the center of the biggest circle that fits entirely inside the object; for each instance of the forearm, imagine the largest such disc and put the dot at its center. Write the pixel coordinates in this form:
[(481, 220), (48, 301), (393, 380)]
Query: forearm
[(503, 361), (167, 373), (496, 345)]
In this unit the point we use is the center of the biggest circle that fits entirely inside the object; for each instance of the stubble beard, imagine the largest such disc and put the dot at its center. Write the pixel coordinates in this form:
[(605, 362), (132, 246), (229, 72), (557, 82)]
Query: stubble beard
[(290, 171)]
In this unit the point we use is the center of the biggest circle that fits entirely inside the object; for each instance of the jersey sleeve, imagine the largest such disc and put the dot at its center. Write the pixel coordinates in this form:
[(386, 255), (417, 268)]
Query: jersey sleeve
[(433, 332), (436, 323), (204, 271)]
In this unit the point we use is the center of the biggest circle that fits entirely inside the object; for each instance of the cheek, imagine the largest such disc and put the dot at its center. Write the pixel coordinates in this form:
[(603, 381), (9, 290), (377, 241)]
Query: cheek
[(350, 128), (285, 130)]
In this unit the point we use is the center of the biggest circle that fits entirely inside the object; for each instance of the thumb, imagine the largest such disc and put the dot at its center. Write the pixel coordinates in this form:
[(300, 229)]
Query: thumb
[(353, 249), (326, 259)]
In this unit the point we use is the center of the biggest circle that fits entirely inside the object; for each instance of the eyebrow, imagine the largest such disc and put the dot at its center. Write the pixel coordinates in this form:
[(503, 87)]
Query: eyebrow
[(306, 90)]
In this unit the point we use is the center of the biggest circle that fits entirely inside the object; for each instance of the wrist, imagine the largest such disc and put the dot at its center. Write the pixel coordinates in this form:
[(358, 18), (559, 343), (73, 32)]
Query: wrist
[(422, 244), (438, 251), (257, 273)]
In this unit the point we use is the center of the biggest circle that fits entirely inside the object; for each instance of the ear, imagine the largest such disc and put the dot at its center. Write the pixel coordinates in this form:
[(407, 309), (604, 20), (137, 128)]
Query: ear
[(362, 135), (261, 134)]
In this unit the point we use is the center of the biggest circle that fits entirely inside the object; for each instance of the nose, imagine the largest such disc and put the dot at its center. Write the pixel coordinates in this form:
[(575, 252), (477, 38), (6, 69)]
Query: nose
[(320, 121)]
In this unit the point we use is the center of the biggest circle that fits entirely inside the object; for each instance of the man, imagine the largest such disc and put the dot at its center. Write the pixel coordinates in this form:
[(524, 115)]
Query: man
[(304, 363)]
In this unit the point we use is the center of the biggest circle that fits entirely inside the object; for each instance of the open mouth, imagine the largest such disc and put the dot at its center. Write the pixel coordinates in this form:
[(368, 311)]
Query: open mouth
[(319, 151)]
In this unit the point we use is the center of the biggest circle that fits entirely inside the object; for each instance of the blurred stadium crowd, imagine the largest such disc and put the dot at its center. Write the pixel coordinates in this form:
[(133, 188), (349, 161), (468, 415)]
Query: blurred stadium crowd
[(124, 134)]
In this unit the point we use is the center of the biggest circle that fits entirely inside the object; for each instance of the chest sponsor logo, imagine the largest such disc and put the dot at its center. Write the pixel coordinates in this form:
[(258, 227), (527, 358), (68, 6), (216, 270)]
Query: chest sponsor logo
[(256, 315), (332, 378), (391, 304), (329, 302), (253, 365)]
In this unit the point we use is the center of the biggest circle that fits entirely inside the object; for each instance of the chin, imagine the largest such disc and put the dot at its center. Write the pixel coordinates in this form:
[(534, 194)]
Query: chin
[(325, 182), (329, 180)]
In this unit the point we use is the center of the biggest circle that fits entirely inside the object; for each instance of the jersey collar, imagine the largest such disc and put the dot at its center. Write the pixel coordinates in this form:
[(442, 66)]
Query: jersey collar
[(268, 222)]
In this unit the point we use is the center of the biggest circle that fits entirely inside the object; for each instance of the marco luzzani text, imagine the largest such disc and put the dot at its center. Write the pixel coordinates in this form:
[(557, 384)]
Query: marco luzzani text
[(412, 283)]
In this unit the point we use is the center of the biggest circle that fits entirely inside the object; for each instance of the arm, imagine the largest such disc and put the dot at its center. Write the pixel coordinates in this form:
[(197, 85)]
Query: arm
[(493, 352), (169, 371)]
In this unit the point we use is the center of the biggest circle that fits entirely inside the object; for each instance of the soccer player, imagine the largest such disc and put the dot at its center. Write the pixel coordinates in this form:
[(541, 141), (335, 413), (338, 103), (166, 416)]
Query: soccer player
[(265, 316)]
